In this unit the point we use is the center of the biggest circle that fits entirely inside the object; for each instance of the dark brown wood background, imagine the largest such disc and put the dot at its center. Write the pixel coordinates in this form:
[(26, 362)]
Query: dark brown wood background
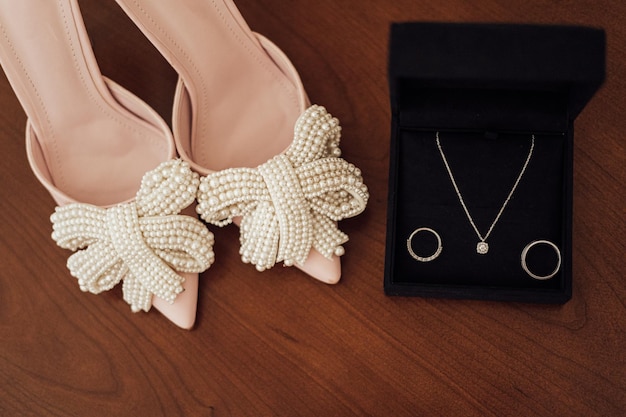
[(282, 344)]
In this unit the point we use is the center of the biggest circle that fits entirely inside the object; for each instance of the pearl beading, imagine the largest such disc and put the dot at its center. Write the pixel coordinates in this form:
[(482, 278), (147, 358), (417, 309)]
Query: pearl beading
[(291, 202), (142, 242)]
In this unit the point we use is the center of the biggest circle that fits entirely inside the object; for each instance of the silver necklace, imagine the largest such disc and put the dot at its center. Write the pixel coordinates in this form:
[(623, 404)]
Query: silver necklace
[(482, 247)]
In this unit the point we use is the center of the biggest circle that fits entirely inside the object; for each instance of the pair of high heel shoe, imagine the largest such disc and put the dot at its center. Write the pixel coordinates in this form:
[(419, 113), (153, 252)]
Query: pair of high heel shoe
[(246, 145)]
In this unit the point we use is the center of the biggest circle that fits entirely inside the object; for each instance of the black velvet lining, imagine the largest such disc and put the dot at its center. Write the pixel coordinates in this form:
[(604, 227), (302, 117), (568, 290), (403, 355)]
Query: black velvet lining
[(481, 108), (485, 167)]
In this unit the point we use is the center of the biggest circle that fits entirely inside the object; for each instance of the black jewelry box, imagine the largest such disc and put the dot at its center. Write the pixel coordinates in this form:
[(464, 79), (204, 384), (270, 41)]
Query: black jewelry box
[(486, 90)]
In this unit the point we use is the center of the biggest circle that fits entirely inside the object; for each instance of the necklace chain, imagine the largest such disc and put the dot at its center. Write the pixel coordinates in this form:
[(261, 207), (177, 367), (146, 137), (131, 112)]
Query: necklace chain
[(458, 193)]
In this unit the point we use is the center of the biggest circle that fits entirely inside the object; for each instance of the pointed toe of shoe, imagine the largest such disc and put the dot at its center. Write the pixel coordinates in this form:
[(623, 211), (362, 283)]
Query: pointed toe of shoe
[(321, 268), (183, 311)]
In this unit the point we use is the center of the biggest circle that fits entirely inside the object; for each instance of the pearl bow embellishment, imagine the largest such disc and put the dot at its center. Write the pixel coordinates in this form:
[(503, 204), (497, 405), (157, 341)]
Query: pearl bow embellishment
[(292, 202), (142, 242)]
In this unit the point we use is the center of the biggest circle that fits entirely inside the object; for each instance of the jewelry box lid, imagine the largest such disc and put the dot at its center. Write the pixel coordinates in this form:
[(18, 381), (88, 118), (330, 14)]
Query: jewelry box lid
[(565, 60)]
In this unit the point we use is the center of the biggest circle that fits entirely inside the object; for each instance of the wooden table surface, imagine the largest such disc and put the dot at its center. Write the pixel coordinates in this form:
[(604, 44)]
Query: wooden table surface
[(282, 344)]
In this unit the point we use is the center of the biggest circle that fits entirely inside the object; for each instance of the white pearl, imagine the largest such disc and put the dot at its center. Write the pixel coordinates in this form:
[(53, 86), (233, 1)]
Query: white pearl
[(285, 195), (131, 235)]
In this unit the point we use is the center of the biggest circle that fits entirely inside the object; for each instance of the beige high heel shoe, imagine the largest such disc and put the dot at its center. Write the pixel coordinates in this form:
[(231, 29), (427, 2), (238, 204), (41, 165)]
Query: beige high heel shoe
[(90, 142), (241, 117)]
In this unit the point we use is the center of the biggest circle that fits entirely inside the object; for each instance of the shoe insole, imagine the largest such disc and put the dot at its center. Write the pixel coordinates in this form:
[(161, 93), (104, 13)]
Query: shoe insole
[(243, 106), (95, 150)]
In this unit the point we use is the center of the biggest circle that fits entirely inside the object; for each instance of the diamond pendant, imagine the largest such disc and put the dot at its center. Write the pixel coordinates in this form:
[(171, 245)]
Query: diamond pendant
[(482, 248)]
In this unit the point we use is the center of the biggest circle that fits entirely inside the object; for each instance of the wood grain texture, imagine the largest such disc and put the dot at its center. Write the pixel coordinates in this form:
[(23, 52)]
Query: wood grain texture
[(280, 344)]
